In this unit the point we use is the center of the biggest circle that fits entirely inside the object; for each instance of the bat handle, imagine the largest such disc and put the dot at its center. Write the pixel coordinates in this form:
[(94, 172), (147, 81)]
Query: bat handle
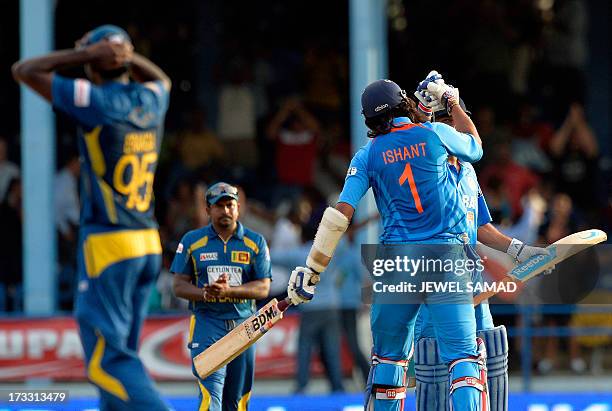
[(284, 304)]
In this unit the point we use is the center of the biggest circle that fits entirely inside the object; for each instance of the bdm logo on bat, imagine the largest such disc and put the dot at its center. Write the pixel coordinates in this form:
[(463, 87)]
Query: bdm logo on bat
[(263, 320)]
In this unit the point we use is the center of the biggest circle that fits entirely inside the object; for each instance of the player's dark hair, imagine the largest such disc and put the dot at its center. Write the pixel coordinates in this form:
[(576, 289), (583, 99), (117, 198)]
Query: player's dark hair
[(382, 124)]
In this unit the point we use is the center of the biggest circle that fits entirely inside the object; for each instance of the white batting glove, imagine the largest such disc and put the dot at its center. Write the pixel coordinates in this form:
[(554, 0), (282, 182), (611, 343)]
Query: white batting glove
[(522, 252), (428, 104), (302, 284), (446, 94)]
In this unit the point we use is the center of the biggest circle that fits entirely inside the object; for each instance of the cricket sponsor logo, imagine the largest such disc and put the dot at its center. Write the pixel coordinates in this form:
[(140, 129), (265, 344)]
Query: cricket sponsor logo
[(391, 394), (179, 249), (234, 273), (264, 318), (351, 171), (242, 257), (209, 256), (470, 381), (470, 201), (588, 234), (381, 107), (534, 263)]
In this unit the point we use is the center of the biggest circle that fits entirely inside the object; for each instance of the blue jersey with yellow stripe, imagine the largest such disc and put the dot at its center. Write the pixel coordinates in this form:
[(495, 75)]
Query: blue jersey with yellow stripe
[(415, 192), (120, 134), (204, 255)]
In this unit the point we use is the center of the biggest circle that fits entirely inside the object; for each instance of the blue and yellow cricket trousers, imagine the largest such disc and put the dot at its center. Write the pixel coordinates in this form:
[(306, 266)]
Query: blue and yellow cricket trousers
[(229, 388), (117, 268)]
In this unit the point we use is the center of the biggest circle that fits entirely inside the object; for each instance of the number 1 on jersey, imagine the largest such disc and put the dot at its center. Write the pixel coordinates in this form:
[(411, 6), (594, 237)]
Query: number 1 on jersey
[(407, 175)]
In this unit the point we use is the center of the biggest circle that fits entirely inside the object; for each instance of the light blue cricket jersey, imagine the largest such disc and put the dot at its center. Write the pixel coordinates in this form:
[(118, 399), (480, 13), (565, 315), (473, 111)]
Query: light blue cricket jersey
[(413, 186), (477, 212)]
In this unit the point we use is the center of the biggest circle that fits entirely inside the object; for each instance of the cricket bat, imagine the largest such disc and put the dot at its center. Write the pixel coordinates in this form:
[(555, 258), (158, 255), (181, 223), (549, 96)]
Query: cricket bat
[(240, 338), (559, 251)]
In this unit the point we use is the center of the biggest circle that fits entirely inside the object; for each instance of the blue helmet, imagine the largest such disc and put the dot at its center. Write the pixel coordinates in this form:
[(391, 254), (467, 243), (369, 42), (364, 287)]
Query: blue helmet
[(107, 31), (380, 97)]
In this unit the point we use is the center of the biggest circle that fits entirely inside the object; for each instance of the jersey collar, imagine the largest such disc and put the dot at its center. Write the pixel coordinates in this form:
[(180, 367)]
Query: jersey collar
[(400, 121), (239, 233)]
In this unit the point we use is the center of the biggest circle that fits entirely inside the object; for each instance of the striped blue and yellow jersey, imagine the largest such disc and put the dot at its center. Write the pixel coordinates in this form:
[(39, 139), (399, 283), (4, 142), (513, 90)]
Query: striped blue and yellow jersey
[(204, 256), (120, 134)]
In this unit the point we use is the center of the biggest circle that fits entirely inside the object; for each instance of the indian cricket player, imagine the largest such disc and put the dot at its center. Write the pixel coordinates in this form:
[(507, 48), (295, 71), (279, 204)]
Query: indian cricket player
[(405, 164)]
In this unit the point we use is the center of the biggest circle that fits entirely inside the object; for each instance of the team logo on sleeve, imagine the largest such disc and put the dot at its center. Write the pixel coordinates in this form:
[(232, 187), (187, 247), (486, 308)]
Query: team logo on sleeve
[(242, 257), (209, 256), (179, 249), (82, 92), (267, 255), (351, 171)]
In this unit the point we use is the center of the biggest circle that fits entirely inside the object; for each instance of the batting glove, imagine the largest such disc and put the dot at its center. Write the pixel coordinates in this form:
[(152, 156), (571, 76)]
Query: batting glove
[(428, 104), (302, 284), (446, 94), (522, 252)]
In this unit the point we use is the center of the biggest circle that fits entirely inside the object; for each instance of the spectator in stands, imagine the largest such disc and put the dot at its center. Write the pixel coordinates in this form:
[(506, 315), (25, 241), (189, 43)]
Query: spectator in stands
[(199, 146), (11, 220), (515, 180), (8, 170), (557, 224), (530, 137), (319, 320), (295, 131), (575, 149), (253, 215), (67, 209), (237, 121), (491, 132), (287, 231), (181, 214)]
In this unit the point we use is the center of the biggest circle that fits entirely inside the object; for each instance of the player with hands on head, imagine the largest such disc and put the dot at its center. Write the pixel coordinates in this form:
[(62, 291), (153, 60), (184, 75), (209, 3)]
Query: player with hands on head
[(119, 110), (408, 190)]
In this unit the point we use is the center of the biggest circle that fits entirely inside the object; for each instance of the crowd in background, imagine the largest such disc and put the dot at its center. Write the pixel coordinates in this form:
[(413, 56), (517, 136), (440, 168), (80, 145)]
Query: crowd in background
[(277, 125)]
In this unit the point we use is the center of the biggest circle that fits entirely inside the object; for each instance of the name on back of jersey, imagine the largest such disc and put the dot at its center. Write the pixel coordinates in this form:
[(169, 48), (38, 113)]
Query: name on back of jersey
[(404, 153)]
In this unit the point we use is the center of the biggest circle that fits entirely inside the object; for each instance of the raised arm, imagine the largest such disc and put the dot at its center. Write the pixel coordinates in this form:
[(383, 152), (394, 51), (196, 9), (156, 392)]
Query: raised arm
[(144, 70), (37, 73)]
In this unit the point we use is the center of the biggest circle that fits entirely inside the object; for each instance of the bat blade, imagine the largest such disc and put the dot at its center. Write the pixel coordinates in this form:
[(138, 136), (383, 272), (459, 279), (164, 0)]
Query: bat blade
[(240, 338), (559, 251)]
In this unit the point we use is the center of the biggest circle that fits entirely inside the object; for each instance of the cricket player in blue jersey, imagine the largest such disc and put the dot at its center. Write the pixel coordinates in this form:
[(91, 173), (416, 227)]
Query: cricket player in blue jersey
[(120, 112), (432, 378), (222, 269), (405, 164)]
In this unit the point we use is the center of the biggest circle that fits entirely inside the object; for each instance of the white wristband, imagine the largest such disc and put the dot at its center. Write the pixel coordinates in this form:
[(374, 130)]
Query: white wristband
[(515, 248)]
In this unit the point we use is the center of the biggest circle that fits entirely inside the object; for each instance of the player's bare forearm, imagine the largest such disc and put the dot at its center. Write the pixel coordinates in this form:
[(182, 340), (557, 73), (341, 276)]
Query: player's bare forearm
[(144, 70), (37, 72), (492, 237), (464, 124), (253, 290), (183, 288), (346, 209)]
